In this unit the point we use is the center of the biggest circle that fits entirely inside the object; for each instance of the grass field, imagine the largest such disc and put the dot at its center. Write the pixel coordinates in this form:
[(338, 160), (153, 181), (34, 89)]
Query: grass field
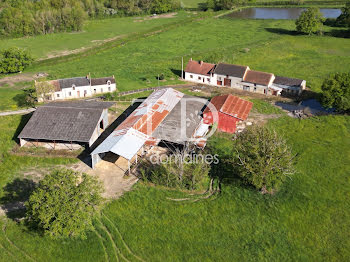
[(93, 33), (309, 219), (271, 46)]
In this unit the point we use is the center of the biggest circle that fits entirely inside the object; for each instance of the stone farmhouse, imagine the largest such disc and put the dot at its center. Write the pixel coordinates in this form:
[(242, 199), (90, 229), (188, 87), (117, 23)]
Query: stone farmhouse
[(76, 87), (242, 77)]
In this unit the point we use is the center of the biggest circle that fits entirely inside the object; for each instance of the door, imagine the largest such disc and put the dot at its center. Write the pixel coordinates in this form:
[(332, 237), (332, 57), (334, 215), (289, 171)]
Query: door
[(227, 82), (219, 83), (78, 93), (85, 93)]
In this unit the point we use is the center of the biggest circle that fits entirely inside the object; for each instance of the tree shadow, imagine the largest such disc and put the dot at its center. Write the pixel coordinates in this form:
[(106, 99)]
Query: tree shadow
[(339, 33), (176, 72), (15, 194), (21, 100), (281, 31)]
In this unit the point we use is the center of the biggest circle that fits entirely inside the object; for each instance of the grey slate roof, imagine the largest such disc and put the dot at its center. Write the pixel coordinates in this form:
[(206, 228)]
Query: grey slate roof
[(55, 121), (281, 80), (230, 70), (83, 104), (171, 127), (77, 81), (102, 81)]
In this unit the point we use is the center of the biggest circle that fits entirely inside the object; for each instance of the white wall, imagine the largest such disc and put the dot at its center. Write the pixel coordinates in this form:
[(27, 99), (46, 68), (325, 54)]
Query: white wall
[(195, 78), (103, 88), (235, 81)]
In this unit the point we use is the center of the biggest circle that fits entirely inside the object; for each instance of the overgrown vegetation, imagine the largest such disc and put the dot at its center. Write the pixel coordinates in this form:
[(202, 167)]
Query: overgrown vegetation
[(28, 17), (310, 21), (262, 158), (13, 60), (64, 204), (336, 92)]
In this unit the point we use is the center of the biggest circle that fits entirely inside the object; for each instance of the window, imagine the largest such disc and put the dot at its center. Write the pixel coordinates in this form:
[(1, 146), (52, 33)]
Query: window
[(208, 79), (108, 82), (95, 90), (109, 89), (219, 78), (191, 76), (73, 86), (58, 95), (254, 89), (199, 78), (246, 88), (101, 90), (69, 93)]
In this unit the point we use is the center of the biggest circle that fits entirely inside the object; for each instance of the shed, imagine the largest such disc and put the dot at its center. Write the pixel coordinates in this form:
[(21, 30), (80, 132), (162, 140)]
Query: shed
[(62, 125), (231, 109)]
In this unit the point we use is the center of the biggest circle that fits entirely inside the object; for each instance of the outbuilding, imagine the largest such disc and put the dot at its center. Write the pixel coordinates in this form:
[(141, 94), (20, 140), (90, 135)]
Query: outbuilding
[(229, 109), (66, 125)]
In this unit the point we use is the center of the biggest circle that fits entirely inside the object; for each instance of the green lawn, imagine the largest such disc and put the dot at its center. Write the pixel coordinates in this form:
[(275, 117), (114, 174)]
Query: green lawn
[(93, 32), (309, 219), (262, 44)]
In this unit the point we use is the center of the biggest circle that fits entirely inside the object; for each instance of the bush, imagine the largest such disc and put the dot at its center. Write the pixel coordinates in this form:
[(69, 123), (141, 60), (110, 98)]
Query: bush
[(64, 204), (336, 92), (14, 60), (310, 21), (178, 172), (262, 159)]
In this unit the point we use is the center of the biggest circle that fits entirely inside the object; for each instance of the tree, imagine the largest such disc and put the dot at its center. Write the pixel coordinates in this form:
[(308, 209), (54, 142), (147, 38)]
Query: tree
[(336, 92), (262, 158), (344, 18), (310, 21), (14, 60), (64, 204), (44, 89)]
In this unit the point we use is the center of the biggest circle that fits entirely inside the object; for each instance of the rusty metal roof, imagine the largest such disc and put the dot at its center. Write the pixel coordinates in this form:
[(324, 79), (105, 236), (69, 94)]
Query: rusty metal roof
[(231, 105), (127, 139)]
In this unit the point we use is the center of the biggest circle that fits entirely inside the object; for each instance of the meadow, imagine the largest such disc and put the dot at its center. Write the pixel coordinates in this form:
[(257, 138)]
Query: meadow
[(309, 219), (267, 45)]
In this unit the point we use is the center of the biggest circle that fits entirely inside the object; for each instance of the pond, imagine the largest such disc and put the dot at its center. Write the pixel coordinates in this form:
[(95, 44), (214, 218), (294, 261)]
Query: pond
[(280, 13)]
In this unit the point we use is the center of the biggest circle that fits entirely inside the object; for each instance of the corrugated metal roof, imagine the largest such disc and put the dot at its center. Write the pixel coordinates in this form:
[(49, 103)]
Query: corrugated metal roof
[(138, 127), (281, 80), (231, 105)]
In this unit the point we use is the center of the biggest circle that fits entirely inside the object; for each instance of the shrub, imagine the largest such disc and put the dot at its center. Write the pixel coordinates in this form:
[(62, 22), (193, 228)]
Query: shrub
[(262, 158), (336, 92), (310, 21), (64, 203), (14, 60)]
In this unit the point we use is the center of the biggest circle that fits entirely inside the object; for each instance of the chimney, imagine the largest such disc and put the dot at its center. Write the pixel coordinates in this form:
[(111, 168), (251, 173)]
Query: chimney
[(191, 59), (201, 62)]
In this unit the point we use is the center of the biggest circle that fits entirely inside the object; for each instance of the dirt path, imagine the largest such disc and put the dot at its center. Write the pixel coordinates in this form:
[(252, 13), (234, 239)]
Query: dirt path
[(18, 112), (22, 77)]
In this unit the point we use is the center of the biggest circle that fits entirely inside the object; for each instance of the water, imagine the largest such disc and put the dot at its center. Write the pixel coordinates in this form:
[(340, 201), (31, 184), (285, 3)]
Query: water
[(280, 13)]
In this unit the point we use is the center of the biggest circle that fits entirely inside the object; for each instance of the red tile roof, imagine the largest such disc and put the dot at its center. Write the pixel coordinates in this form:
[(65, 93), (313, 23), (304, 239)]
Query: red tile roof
[(231, 105), (258, 77), (199, 67)]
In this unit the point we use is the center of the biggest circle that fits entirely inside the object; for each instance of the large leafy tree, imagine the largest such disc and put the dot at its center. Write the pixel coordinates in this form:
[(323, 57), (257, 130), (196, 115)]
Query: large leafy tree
[(309, 21), (262, 158), (336, 92), (344, 18), (14, 60), (64, 204)]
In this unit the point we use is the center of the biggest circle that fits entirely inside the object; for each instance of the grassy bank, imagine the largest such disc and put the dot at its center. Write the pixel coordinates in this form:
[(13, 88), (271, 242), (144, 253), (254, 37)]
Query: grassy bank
[(307, 220)]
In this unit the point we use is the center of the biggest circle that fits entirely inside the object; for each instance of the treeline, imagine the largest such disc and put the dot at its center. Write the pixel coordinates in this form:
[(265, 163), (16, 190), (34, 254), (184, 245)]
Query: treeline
[(32, 17), (224, 4)]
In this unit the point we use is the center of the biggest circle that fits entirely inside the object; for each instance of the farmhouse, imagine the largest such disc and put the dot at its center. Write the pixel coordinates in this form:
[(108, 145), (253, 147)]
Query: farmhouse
[(76, 87), (230, 109), (199, 72), (259, 82), (229, 75), (288, 85), (162, 116), (241, 77), (66, 125)]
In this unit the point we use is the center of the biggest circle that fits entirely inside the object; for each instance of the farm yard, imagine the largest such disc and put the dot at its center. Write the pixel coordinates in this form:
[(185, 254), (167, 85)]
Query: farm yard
[(307, 219)]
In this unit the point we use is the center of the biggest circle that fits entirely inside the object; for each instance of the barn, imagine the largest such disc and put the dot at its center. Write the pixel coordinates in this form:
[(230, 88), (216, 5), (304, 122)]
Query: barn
[(66, 125), (230, 109)]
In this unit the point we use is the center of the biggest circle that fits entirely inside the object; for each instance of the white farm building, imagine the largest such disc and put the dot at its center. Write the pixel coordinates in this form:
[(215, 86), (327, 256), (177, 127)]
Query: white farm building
[(242, 77), (76, 87)]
